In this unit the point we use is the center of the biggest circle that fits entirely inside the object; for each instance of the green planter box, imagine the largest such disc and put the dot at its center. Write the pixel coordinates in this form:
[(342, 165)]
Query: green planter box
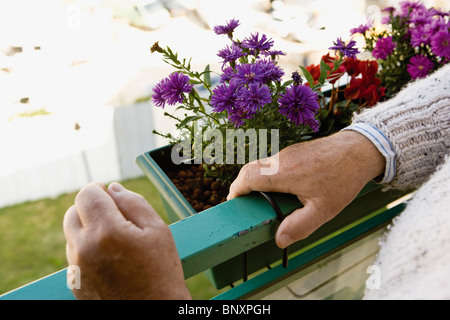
[(155, 163)]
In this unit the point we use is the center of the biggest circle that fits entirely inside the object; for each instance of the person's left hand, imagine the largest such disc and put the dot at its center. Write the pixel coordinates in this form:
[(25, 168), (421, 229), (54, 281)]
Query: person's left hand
[(123, 248)]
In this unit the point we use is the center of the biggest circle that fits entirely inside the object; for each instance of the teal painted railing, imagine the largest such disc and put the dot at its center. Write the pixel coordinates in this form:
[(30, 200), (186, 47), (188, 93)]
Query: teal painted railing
[(224, 232)]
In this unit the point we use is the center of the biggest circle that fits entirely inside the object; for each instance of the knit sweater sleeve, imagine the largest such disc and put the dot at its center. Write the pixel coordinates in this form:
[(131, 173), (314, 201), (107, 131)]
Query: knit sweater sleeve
[(417, 123)]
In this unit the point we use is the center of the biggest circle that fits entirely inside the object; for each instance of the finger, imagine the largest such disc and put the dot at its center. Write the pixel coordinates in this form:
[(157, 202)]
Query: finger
[(94, 205), (299, 225), (251, 178), (71, 223), (133, 206)]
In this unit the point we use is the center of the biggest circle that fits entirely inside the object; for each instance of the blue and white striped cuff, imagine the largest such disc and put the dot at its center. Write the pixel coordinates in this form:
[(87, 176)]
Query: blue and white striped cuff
[(383, 145)]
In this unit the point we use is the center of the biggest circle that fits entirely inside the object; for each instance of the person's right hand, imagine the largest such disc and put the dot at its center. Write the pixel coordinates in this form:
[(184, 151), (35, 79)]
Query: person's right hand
[(325, 174)]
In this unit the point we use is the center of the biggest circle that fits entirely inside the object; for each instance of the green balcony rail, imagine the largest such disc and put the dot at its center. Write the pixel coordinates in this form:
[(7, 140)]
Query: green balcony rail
[(248, 225)]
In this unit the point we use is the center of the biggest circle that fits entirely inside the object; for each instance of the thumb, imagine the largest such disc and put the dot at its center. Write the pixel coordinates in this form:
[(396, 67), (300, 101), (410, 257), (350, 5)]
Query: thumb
[(298, 225), (133, 206)]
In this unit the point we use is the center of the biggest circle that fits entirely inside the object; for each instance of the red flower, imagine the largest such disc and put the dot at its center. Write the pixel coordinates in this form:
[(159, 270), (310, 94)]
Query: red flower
[(368, 86), (370, 94), (352, 92), (334, 76), (351, 65), (368, 68), (328, 59), (315, 72)]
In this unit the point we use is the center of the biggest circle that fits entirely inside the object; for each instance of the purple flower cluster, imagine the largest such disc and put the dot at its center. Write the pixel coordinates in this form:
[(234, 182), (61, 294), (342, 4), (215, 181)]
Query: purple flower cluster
[(427, 33), (430, 28), (426, 28), (240, 101), (248, 77), (171, 90), (383, 48)]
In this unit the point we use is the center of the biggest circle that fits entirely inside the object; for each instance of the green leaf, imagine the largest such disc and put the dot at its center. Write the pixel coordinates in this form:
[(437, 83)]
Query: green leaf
[(188, 119), (207, 76), (287, 83), (193, 81), (308, 76), (220, 115), (324, 69)]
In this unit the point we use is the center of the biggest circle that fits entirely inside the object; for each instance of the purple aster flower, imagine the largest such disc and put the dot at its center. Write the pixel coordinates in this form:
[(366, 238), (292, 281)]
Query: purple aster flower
[(420, 36), (297, 78), (440, 44), (347, 50), (436, 25), (254, 97), (389, 10), (299, 104), (231, 54), (249, 73), (255, 44), (383, 48), (271, 72), (408, 7), (238, 116), (438, 12), (362, 28), (158, 91), (228, 28), (420, 17), (170, 90), (273, 53), (227, 75), (224, 97), (419, 66)]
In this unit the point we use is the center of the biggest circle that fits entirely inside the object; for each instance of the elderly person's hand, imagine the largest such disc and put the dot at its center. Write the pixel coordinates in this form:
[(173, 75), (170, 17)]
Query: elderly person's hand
[(325, 174), (123, 248)]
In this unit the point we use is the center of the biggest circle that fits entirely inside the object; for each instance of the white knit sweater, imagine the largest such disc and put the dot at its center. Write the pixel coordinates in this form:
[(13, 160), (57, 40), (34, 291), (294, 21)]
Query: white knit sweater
[(414, 258)]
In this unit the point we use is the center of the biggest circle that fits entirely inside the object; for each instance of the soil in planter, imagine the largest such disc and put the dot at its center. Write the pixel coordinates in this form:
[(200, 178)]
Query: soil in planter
[(200, 191)]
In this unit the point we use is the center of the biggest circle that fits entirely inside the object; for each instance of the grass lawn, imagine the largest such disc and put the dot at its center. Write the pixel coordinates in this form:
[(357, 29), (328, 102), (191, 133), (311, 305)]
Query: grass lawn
[(33, 243)]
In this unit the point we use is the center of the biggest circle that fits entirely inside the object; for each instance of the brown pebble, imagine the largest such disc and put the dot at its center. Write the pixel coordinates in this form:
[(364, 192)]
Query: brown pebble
[(215, 185), (207, 194), (198, 207), (214, 199), (197, 194), (207, 181)]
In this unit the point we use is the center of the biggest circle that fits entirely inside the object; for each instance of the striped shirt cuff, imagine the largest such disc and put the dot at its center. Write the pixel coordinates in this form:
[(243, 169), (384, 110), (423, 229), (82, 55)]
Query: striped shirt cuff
[(383, 145)]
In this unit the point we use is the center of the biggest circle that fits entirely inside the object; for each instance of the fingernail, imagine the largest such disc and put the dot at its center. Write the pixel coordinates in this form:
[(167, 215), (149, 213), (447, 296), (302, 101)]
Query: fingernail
[(284, 241), (116, 187)]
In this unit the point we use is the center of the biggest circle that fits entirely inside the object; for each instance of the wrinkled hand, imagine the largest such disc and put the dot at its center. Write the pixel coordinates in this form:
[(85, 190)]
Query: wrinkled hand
[(123, 248), (325, 174)]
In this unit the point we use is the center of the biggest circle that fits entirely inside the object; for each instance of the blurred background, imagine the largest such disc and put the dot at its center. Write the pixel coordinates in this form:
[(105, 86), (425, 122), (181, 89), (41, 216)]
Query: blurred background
[(75, 83)]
